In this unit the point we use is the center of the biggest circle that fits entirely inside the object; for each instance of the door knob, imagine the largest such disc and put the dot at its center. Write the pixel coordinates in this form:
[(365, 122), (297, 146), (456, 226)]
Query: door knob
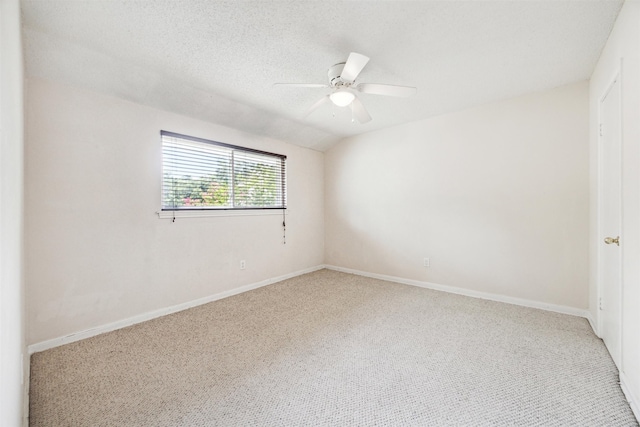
[(610, 240)]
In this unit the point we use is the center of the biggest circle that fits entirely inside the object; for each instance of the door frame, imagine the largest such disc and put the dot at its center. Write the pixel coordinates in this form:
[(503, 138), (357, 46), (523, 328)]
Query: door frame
[(617, 77)]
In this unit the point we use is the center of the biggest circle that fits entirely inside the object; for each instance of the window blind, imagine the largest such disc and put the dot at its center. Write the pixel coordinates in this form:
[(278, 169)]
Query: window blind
[(200, 174)]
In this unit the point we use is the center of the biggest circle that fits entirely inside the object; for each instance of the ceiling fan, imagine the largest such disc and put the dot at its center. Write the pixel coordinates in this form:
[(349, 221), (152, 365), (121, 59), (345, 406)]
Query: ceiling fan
[(344, 89)]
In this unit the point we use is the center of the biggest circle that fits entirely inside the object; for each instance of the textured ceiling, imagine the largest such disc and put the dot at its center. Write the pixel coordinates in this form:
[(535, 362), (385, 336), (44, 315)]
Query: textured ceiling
[(218, 60)]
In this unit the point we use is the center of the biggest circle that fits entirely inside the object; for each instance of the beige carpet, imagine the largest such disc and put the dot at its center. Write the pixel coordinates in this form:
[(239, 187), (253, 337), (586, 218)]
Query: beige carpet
[(333, 349)]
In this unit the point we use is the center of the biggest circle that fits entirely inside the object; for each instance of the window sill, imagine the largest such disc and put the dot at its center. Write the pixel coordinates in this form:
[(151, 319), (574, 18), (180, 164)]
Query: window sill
[(214, 213)]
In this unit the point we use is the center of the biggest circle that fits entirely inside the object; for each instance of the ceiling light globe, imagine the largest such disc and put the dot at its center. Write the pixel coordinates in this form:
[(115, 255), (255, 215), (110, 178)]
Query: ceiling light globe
[(342, 98)]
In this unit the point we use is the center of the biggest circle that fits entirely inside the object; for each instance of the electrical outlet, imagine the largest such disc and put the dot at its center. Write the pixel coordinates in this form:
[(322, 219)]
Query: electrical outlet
[(243, 264), (426, 262)]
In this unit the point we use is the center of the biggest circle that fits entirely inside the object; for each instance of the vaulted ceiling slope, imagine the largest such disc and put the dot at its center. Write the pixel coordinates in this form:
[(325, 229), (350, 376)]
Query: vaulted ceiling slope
[(218, 60)]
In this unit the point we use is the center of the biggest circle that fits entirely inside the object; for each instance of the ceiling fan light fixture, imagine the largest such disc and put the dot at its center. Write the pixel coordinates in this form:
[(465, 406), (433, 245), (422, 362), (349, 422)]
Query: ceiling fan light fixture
[(342, 98)]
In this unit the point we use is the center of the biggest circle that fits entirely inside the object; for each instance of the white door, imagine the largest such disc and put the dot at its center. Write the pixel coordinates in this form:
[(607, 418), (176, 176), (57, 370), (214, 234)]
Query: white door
[(610, 209)]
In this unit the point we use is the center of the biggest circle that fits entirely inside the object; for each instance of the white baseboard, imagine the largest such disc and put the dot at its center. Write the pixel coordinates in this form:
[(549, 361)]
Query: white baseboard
[(631, 397), (26, 374), (593, 324), (470, 293), (77, 336)]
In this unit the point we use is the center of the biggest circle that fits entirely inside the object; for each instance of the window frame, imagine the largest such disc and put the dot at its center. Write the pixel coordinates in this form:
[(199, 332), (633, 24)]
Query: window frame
[(199, 211)]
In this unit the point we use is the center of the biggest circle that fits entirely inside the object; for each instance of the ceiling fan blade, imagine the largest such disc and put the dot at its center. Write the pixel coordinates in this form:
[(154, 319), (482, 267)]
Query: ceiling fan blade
[(318, 104), (359, 111), (355, 63), (388, 90), (301, 84)]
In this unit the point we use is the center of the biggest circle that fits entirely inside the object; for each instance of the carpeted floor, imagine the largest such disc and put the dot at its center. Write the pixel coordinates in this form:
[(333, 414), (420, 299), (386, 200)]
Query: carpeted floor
[(333, 349)]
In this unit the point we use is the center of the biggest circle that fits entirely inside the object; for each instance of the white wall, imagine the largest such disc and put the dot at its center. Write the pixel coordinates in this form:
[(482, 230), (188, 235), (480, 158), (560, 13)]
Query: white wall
[(97, 253), (12, 347), (496, 196), (623, 44)]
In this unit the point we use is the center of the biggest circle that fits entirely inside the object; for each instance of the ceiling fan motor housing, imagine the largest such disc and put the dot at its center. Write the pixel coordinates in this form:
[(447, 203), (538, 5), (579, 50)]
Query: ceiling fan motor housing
[(334, 75)]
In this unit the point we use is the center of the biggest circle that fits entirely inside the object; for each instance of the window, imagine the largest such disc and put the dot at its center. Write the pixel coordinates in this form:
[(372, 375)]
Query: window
[(198, 174)]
